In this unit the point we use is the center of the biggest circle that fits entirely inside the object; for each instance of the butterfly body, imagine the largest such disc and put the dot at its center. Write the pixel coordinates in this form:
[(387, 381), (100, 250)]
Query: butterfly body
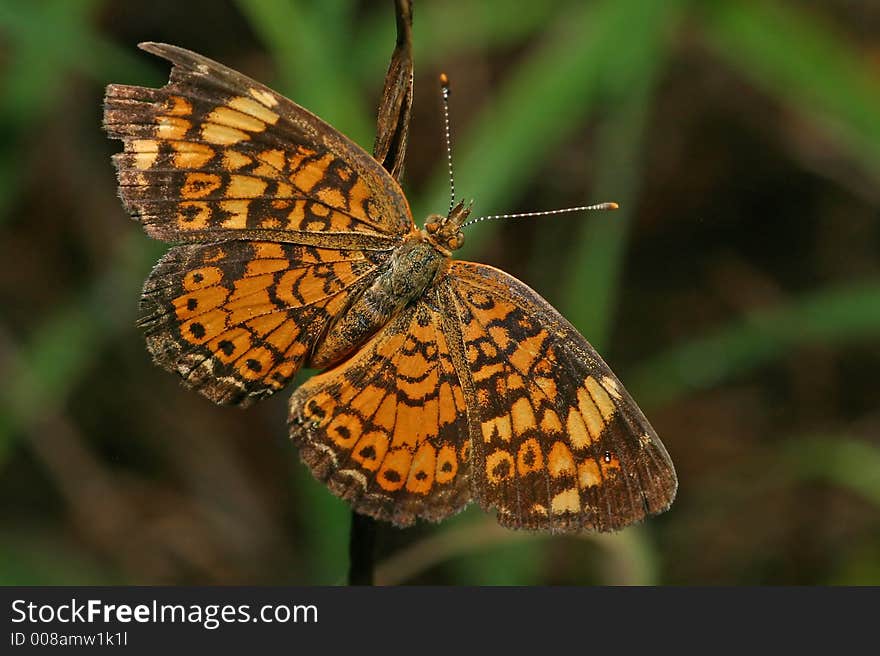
[(445, 382), (404, 278), (413, 266)]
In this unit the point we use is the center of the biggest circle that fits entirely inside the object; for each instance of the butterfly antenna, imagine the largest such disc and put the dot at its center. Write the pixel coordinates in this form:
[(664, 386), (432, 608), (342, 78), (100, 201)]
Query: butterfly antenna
[(444, 91), (583, 208)]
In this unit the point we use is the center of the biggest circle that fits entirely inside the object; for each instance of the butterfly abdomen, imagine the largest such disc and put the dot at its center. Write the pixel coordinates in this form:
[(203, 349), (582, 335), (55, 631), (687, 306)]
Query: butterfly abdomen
[(404, 279)]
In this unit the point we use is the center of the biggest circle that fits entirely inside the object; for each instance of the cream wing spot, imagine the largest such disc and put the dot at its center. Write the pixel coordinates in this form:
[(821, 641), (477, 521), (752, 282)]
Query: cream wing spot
[(577, 430), (256, 109), (245, 186), (356, 476), (236, 120), (567, 501), (550, 422), (590, 414), (189, 155), (222, 135), (523, 416), (264, 97), (172, 128), (238, 213), (588, 474), (234, 160), (145, 153), (499, 426), (611, 386), (560, 461), (600, 397)]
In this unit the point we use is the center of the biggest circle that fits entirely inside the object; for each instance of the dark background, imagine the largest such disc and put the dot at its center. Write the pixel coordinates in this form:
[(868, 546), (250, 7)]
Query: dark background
[(736, 293)]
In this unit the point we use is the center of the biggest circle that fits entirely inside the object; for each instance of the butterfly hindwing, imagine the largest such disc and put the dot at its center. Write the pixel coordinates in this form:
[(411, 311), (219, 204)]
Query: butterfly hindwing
[(237, 319), (557, 442), (215, 155), (387, 429)]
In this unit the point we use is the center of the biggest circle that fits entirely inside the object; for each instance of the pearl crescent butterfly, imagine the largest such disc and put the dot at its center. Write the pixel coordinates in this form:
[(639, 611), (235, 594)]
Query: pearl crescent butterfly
[(443, 382)]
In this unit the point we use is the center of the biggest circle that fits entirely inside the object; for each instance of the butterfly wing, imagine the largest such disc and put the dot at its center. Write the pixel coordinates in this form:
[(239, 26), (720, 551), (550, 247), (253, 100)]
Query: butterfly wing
[(237, 319), (387, 429), (284, 220), (215, 155), (481, 390), (557, 442)]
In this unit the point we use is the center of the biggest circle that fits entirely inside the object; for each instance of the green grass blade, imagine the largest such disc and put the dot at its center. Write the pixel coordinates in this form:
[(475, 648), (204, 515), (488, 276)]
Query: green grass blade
[(831, 317), (850, 464), (802, 61), (60, 351), (596, 260), (35, 559), (308, 43), (35, 75), (542, 103)]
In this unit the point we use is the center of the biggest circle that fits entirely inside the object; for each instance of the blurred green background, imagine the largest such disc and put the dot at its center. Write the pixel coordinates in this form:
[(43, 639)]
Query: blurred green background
[(736, 293)]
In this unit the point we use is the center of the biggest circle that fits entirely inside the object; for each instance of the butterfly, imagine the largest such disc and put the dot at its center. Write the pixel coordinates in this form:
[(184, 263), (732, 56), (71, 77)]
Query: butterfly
[(444, 381)]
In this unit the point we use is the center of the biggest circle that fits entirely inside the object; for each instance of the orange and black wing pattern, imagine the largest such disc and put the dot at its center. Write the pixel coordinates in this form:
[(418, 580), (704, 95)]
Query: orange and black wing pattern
[(215, 155), (387, 429), (237, 319), (482, 391), (556, 441), (282, 220)]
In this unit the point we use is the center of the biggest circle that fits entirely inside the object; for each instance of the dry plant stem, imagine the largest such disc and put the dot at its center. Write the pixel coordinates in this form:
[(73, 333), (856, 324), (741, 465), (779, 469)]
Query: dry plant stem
[(395, 107), (392, 126)]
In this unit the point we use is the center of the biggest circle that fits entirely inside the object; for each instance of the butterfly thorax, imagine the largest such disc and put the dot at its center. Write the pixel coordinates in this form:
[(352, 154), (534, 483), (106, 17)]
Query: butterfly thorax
[(410, 270)]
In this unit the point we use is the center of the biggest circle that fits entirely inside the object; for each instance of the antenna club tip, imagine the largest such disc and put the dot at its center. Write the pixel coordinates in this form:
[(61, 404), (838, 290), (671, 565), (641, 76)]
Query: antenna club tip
[(444, 82), (612, 206)]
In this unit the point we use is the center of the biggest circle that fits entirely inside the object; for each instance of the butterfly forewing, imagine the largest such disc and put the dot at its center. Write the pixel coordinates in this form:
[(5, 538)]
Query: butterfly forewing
[(216, 155)]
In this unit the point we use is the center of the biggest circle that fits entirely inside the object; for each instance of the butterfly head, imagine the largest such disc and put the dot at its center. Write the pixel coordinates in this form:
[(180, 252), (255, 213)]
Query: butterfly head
[(444, 232)]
